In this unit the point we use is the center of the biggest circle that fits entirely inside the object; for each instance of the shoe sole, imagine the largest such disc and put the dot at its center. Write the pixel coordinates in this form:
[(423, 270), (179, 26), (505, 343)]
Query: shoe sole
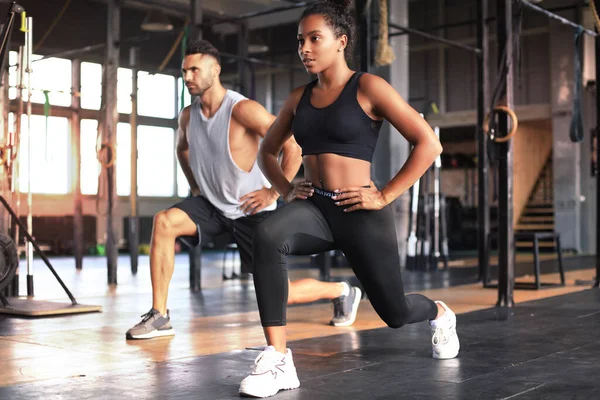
[(150, 335), (446, 355), (247, 393), (357, 298)]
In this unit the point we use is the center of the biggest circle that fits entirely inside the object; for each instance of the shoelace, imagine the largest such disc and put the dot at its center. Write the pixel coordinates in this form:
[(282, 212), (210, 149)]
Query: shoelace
[(265, 362), (339, 306), (146, 317)]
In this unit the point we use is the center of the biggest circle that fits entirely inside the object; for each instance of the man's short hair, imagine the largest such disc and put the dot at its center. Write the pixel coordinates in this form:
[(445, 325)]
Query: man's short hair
[(202, 47)]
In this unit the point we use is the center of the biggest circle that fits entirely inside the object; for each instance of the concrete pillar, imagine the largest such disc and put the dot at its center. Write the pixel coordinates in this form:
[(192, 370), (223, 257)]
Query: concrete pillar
[(392, 149), (566, 154)]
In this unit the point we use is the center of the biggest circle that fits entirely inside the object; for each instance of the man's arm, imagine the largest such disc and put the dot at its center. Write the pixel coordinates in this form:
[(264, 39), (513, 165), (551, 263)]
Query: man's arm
[(255, 117), (183, 150)]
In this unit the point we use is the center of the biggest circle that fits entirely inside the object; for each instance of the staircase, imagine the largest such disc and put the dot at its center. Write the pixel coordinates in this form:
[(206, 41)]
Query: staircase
[(538, 214)]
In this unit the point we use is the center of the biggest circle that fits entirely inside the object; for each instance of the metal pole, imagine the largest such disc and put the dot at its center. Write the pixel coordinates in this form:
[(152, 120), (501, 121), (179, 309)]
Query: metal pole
[(134, 232), (109, 133), (244, 17), (435, 28), (242, 50), (442, 94), (363, 16), (9, 141), (483, 209), (195, 253), (37, 249), (412, 242), (16, 192), (597, 279), (557, 17), (506, 256), (433, 37), (29, 71), (436, 207), (196, 20), (76, 166), (425, 258)]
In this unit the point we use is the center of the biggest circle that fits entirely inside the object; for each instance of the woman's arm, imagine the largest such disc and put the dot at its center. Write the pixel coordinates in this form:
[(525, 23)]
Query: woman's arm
[(278, 134), (388, 104)]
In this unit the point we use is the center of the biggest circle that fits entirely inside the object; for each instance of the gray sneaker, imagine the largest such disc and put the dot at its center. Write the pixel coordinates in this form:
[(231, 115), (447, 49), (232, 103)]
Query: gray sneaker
[(345, 308), (152, 325)]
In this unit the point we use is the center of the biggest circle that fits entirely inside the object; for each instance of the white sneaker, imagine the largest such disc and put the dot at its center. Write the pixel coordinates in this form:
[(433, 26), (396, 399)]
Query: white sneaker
[(273, 372), (444, 339)]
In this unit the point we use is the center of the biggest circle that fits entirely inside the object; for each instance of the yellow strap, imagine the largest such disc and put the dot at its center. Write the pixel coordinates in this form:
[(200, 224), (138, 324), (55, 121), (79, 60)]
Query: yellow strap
[(24, 22)]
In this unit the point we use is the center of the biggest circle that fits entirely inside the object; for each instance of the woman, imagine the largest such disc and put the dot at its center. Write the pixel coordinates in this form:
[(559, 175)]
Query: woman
[(336, 120)]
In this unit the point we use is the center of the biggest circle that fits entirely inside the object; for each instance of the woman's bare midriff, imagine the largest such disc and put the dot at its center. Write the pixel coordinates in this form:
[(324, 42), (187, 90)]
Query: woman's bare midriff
[(331, 171)]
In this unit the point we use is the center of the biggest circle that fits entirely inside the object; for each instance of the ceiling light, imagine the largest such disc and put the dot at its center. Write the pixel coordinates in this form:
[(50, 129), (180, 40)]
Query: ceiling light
[(156, 21)]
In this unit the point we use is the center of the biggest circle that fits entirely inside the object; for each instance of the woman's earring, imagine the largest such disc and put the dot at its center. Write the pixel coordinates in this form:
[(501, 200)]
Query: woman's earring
[(339, 50)]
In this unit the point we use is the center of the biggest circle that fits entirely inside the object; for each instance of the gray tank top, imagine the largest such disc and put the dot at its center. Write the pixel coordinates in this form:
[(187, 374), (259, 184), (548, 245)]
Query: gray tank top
[(220, 180)]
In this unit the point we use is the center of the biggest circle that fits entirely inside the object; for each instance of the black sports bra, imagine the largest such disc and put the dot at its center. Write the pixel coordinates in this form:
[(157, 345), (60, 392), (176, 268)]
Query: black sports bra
[(341, 128)]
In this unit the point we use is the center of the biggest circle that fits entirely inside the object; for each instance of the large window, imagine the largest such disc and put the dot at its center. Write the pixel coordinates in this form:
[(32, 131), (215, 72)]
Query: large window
[(156, 167), (12, 74), (156, 95), (156, 164), (52, 75), (50, 154), (124, 86), (91, 87), (183, 187), (158, 174), (90, 168), (187, 99)]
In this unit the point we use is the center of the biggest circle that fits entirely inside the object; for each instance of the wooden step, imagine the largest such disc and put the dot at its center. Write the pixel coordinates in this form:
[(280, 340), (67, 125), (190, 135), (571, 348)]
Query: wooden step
[(537, 218), (540, 244), (541, 198), (534, 227), (539, 210)]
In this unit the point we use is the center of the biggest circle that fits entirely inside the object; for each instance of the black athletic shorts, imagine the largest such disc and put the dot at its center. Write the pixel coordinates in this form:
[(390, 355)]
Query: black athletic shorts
[(211, 222)]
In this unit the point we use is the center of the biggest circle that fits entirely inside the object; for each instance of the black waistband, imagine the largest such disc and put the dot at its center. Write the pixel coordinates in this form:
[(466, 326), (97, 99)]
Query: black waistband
[(324, 193), (327, 193)]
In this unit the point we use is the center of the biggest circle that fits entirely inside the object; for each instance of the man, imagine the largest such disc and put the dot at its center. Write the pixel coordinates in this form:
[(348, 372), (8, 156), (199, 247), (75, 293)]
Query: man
[(217, 146)]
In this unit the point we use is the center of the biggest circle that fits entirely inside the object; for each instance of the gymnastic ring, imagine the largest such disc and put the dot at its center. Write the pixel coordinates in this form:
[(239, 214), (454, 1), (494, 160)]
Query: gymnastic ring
[(4, 155), (113, 155), (514, 124)]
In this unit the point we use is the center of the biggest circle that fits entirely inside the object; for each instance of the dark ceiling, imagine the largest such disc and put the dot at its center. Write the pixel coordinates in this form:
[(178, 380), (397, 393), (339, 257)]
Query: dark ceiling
[(84, 24)]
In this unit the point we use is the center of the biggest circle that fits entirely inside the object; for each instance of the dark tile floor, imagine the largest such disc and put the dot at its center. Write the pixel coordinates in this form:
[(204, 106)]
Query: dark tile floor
[(545, 349)]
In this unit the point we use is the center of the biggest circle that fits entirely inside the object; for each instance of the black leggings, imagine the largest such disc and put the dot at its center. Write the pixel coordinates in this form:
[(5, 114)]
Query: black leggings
[(367, 238)]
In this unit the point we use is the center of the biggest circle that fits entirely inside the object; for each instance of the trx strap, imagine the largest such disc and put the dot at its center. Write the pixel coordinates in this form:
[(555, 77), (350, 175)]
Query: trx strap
[(186, 33), (46, 115), (576, 128)]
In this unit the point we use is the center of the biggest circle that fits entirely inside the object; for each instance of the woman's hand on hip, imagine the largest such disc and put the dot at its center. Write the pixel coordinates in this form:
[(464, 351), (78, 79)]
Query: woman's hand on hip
[(301, 190), (359, 198)]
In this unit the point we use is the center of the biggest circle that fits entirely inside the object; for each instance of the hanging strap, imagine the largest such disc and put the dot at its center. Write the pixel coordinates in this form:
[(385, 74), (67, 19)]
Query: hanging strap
[(47, 115), (384, 54), (186, 33), (576, 129)]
